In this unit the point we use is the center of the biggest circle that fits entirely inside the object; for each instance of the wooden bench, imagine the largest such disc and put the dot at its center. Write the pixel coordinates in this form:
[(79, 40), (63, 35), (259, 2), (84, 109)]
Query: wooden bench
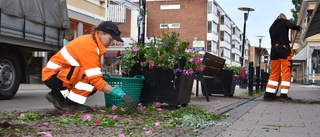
[(213, 67)]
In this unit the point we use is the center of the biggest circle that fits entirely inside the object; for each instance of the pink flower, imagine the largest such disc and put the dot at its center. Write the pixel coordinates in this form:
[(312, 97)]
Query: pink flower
[(160, 109), (212, 111), (157, 124), (135, 49), (200, 68), (102, 111), (115, 117), (151, 63), (191, 59), (86, 117), (98, 122), (47, 134), (148, 132), (122, 71), (113, 107), (45, 124), (158, 104), (197, 60), (190, 71), (122, 135), (188, 47), (22, 115), (114, 132), (123, 109)]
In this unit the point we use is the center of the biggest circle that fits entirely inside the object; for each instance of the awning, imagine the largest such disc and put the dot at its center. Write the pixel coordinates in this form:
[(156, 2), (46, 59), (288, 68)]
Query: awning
[(303, 54), (112, 53)]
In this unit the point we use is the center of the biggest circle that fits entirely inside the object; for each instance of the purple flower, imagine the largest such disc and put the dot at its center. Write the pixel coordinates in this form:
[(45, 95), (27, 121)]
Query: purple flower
[(47, 134), (167, 43), (178, 70), (158, 104)]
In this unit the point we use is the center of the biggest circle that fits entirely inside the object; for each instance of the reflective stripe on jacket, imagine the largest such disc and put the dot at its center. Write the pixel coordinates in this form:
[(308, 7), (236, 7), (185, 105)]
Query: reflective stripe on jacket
[(83, 52)]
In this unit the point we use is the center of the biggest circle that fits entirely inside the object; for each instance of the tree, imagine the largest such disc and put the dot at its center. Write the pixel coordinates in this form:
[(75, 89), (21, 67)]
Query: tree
[(297, 5)]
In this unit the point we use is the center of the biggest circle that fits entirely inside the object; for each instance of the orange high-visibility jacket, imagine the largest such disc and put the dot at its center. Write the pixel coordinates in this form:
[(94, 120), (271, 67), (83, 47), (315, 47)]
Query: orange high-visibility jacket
[(81, 52)]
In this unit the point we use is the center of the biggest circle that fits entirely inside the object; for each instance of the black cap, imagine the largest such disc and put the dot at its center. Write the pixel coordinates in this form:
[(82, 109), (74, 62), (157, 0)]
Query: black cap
[(111, 28)]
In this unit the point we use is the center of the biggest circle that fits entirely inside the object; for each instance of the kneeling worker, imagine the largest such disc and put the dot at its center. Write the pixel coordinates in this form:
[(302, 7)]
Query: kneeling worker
[(74, 73)]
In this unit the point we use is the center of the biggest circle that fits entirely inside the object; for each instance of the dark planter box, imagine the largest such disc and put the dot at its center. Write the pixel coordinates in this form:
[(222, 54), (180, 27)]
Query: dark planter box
[(228, 80), (164, 86)]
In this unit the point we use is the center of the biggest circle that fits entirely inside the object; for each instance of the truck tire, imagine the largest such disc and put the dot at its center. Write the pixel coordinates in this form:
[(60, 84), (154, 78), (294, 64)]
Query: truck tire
[(10, 75)]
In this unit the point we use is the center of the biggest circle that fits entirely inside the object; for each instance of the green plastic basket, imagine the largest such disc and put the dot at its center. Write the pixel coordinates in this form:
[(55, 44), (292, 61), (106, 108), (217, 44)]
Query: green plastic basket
[(130, 85)]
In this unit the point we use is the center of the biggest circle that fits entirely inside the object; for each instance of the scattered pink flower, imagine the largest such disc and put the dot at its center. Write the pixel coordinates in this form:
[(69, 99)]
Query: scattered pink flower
[(22, 115), (122, 135), (158, 104), (148, 132), (102, 111), (115, 117), (160, 109), (86, 117), (212, 111), (114, 107), (114, 132), (98, 122), (157, 124), (70, 115), (47, 134), (94, 109), (45, 124), (63, 116), (123, 109)]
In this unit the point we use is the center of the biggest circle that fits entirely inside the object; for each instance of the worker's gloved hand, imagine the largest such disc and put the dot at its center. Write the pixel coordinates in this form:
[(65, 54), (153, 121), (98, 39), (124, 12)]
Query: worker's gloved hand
[(130, 102), (118, 92)]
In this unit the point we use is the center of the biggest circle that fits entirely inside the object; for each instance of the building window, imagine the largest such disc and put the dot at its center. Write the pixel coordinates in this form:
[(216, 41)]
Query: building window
[(214, 47), (172, 25), (224, 36), (210, 7), (215, 9), (208, 46), (212, 27), (209, 26), (226, 21)]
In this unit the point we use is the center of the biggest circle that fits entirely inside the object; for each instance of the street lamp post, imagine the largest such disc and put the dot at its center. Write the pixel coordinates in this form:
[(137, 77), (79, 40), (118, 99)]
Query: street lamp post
[(260, 40), (246, 14)]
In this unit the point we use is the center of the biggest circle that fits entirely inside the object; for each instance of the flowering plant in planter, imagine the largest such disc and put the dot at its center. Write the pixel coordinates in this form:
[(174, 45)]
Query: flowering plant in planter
[(163, 52)]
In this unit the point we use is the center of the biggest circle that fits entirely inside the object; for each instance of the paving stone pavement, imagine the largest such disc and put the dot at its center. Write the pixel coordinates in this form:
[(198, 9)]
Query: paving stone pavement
[(258, 118)]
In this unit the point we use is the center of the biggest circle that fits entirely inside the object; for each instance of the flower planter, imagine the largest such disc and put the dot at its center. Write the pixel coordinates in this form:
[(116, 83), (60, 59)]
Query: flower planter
[(228, 81), (164, 86)]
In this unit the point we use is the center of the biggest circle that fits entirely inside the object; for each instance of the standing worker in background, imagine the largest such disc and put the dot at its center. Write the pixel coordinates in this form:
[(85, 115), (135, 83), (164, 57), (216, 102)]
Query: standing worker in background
[(74, 72), (280, 59)]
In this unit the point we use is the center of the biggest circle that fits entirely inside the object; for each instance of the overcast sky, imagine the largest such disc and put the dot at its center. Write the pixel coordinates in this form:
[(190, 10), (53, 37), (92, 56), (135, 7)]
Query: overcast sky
[(259, 20)]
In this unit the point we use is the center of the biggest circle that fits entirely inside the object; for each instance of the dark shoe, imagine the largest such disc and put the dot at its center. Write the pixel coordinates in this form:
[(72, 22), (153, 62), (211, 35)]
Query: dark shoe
[(269, 96), (285, 97), (56, 103), (69, 105)]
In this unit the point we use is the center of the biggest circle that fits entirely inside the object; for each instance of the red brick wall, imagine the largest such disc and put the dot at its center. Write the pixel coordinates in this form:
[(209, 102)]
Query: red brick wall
[(192, 17), (125, 27)]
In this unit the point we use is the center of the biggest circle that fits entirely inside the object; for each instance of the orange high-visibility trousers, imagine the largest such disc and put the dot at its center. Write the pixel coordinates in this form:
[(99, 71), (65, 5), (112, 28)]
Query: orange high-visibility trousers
[(280, 66)]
